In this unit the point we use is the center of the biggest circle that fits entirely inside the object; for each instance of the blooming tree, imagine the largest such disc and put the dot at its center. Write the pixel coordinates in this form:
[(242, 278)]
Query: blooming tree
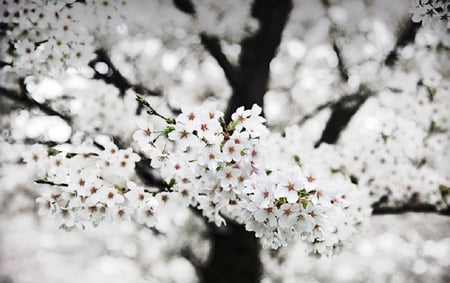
[(143, 114)]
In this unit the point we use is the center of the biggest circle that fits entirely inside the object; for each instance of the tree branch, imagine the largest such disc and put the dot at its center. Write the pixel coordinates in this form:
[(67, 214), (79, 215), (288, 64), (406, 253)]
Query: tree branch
[(185, 6), (3, 64), (342, 112), (257, 52), (25, 100), (212, 45), (316, 111), (416, 208), (412, 205), (115, 78), (406, 36), (143, 171), (343, 71)]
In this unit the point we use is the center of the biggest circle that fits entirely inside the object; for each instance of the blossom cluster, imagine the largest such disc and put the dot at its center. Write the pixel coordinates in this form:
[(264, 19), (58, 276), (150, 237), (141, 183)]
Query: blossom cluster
[(48, 37), (294, 148), (227, 171), (99, 108), (90, 184), (432, 13), (404, 136)]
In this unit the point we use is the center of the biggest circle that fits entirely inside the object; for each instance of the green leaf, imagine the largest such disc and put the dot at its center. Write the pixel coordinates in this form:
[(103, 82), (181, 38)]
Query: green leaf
[(302, 193), (445, 190), (120, 189), (52, 152), (232, 125), (354, 179), (70, 155), (172, 182), (167, 130), (142, 101), (431, 93), (434, 128), (304, 202), (297, 160), (170, 121), (335, 170), (280, 201)]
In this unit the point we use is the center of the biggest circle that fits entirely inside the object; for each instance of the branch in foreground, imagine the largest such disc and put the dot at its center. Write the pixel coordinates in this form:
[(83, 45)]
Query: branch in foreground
[(143, 169), (27, 101), (143, 172), (115, 78)]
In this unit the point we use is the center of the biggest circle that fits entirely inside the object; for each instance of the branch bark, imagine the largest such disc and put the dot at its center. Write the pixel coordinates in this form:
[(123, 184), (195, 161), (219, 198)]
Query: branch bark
[(257, 52), (115, 78), (24, 99), (416, 208), (343, 71), (249, 84), (212, 45), (342, 112), (406, 36)]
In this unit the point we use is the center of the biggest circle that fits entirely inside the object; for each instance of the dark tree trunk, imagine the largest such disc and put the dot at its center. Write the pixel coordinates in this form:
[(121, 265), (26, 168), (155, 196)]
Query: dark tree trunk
[(252, 74), (235, 252), (234, 255)]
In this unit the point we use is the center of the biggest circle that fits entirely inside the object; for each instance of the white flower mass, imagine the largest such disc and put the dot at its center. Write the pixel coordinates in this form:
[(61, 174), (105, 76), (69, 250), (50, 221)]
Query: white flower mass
[(124, 156)]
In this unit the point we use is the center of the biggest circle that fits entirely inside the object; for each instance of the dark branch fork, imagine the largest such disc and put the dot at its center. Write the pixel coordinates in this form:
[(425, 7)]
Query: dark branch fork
[(406, 36), (115, 78), (343, 109), (342, 112)]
